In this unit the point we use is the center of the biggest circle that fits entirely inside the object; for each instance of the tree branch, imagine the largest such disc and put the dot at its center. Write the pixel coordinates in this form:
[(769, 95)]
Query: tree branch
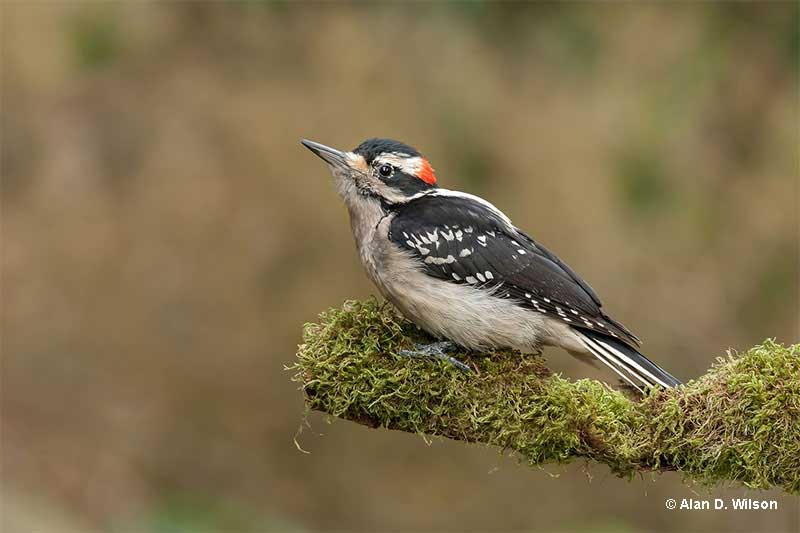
[(739, 422)]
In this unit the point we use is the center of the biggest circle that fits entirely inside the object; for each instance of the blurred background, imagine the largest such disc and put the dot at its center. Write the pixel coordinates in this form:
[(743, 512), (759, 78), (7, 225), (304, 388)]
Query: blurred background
[(165, 237)]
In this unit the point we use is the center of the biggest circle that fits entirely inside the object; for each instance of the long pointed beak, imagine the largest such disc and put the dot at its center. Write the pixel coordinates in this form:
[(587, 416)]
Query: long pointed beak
[(330, 155)]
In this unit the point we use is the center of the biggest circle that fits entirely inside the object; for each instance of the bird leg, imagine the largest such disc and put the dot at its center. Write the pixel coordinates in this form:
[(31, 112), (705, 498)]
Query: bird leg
[(436, 350)]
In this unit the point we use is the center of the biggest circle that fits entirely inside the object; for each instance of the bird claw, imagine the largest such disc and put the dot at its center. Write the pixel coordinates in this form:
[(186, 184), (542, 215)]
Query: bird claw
[(436, 350)]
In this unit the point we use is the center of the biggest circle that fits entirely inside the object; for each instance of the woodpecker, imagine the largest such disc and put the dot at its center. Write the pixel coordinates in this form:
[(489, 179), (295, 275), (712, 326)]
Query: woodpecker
[(457, 267)]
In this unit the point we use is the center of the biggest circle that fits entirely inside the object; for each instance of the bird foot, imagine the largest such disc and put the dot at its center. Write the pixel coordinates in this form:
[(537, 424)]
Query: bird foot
[(436, 351)]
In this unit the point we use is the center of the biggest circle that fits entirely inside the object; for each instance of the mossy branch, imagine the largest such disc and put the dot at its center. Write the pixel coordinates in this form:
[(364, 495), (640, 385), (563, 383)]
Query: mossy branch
[(739, 422)]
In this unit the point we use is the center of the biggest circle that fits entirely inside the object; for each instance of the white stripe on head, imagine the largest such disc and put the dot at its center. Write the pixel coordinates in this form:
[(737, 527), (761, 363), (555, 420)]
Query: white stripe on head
[(407, 164)]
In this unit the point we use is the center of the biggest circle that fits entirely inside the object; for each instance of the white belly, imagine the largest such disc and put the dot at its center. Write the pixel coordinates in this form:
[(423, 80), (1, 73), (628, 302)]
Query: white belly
[(464, 314), (468, 316)]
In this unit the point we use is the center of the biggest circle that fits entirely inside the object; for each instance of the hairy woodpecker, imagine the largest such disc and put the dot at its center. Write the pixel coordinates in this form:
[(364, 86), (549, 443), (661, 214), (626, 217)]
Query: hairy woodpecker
[(456, 266)]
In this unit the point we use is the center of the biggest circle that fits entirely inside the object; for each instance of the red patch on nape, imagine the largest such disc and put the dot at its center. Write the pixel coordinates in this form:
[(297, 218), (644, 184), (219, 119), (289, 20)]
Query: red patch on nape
[(426, 173)]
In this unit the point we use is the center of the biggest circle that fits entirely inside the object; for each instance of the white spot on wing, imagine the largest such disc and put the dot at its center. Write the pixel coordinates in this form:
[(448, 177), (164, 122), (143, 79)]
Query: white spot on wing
[(440, 260), (471, 280), (480, 276), (456, 277), (423, 250), (489, 275), (465, 252)]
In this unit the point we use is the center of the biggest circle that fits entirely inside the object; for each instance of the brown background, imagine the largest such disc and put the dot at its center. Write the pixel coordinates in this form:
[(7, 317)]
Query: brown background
[(165, 237)]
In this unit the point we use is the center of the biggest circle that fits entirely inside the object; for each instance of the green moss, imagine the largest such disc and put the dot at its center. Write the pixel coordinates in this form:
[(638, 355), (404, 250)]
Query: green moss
[(739, 422)]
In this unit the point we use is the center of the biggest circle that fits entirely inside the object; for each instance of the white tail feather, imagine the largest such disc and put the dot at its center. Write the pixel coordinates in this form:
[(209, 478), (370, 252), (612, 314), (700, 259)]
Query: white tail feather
[(609, 360), (631, 363)]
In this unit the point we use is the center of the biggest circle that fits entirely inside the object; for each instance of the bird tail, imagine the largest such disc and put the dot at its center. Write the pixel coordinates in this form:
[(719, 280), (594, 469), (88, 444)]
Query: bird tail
[(631, 366)]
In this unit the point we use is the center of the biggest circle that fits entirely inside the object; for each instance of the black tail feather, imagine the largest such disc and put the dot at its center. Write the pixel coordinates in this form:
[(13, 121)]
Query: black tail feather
[(628, 363)]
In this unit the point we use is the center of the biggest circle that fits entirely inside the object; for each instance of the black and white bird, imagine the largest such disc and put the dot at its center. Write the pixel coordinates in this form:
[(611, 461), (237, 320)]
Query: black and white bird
[(456, 266)]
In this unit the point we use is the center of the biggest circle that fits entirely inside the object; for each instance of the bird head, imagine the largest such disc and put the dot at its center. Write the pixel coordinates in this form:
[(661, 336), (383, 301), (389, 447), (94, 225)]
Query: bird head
[(382, 169)]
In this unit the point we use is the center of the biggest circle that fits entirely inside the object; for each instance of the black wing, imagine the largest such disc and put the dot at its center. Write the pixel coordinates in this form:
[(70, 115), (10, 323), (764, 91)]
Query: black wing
[(463, 240)]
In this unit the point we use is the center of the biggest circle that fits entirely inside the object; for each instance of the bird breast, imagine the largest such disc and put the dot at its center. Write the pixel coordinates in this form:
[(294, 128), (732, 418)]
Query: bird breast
[(469, 316)]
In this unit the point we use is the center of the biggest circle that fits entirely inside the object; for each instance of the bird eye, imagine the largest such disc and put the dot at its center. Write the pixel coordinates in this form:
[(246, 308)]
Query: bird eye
[(385, 170)]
